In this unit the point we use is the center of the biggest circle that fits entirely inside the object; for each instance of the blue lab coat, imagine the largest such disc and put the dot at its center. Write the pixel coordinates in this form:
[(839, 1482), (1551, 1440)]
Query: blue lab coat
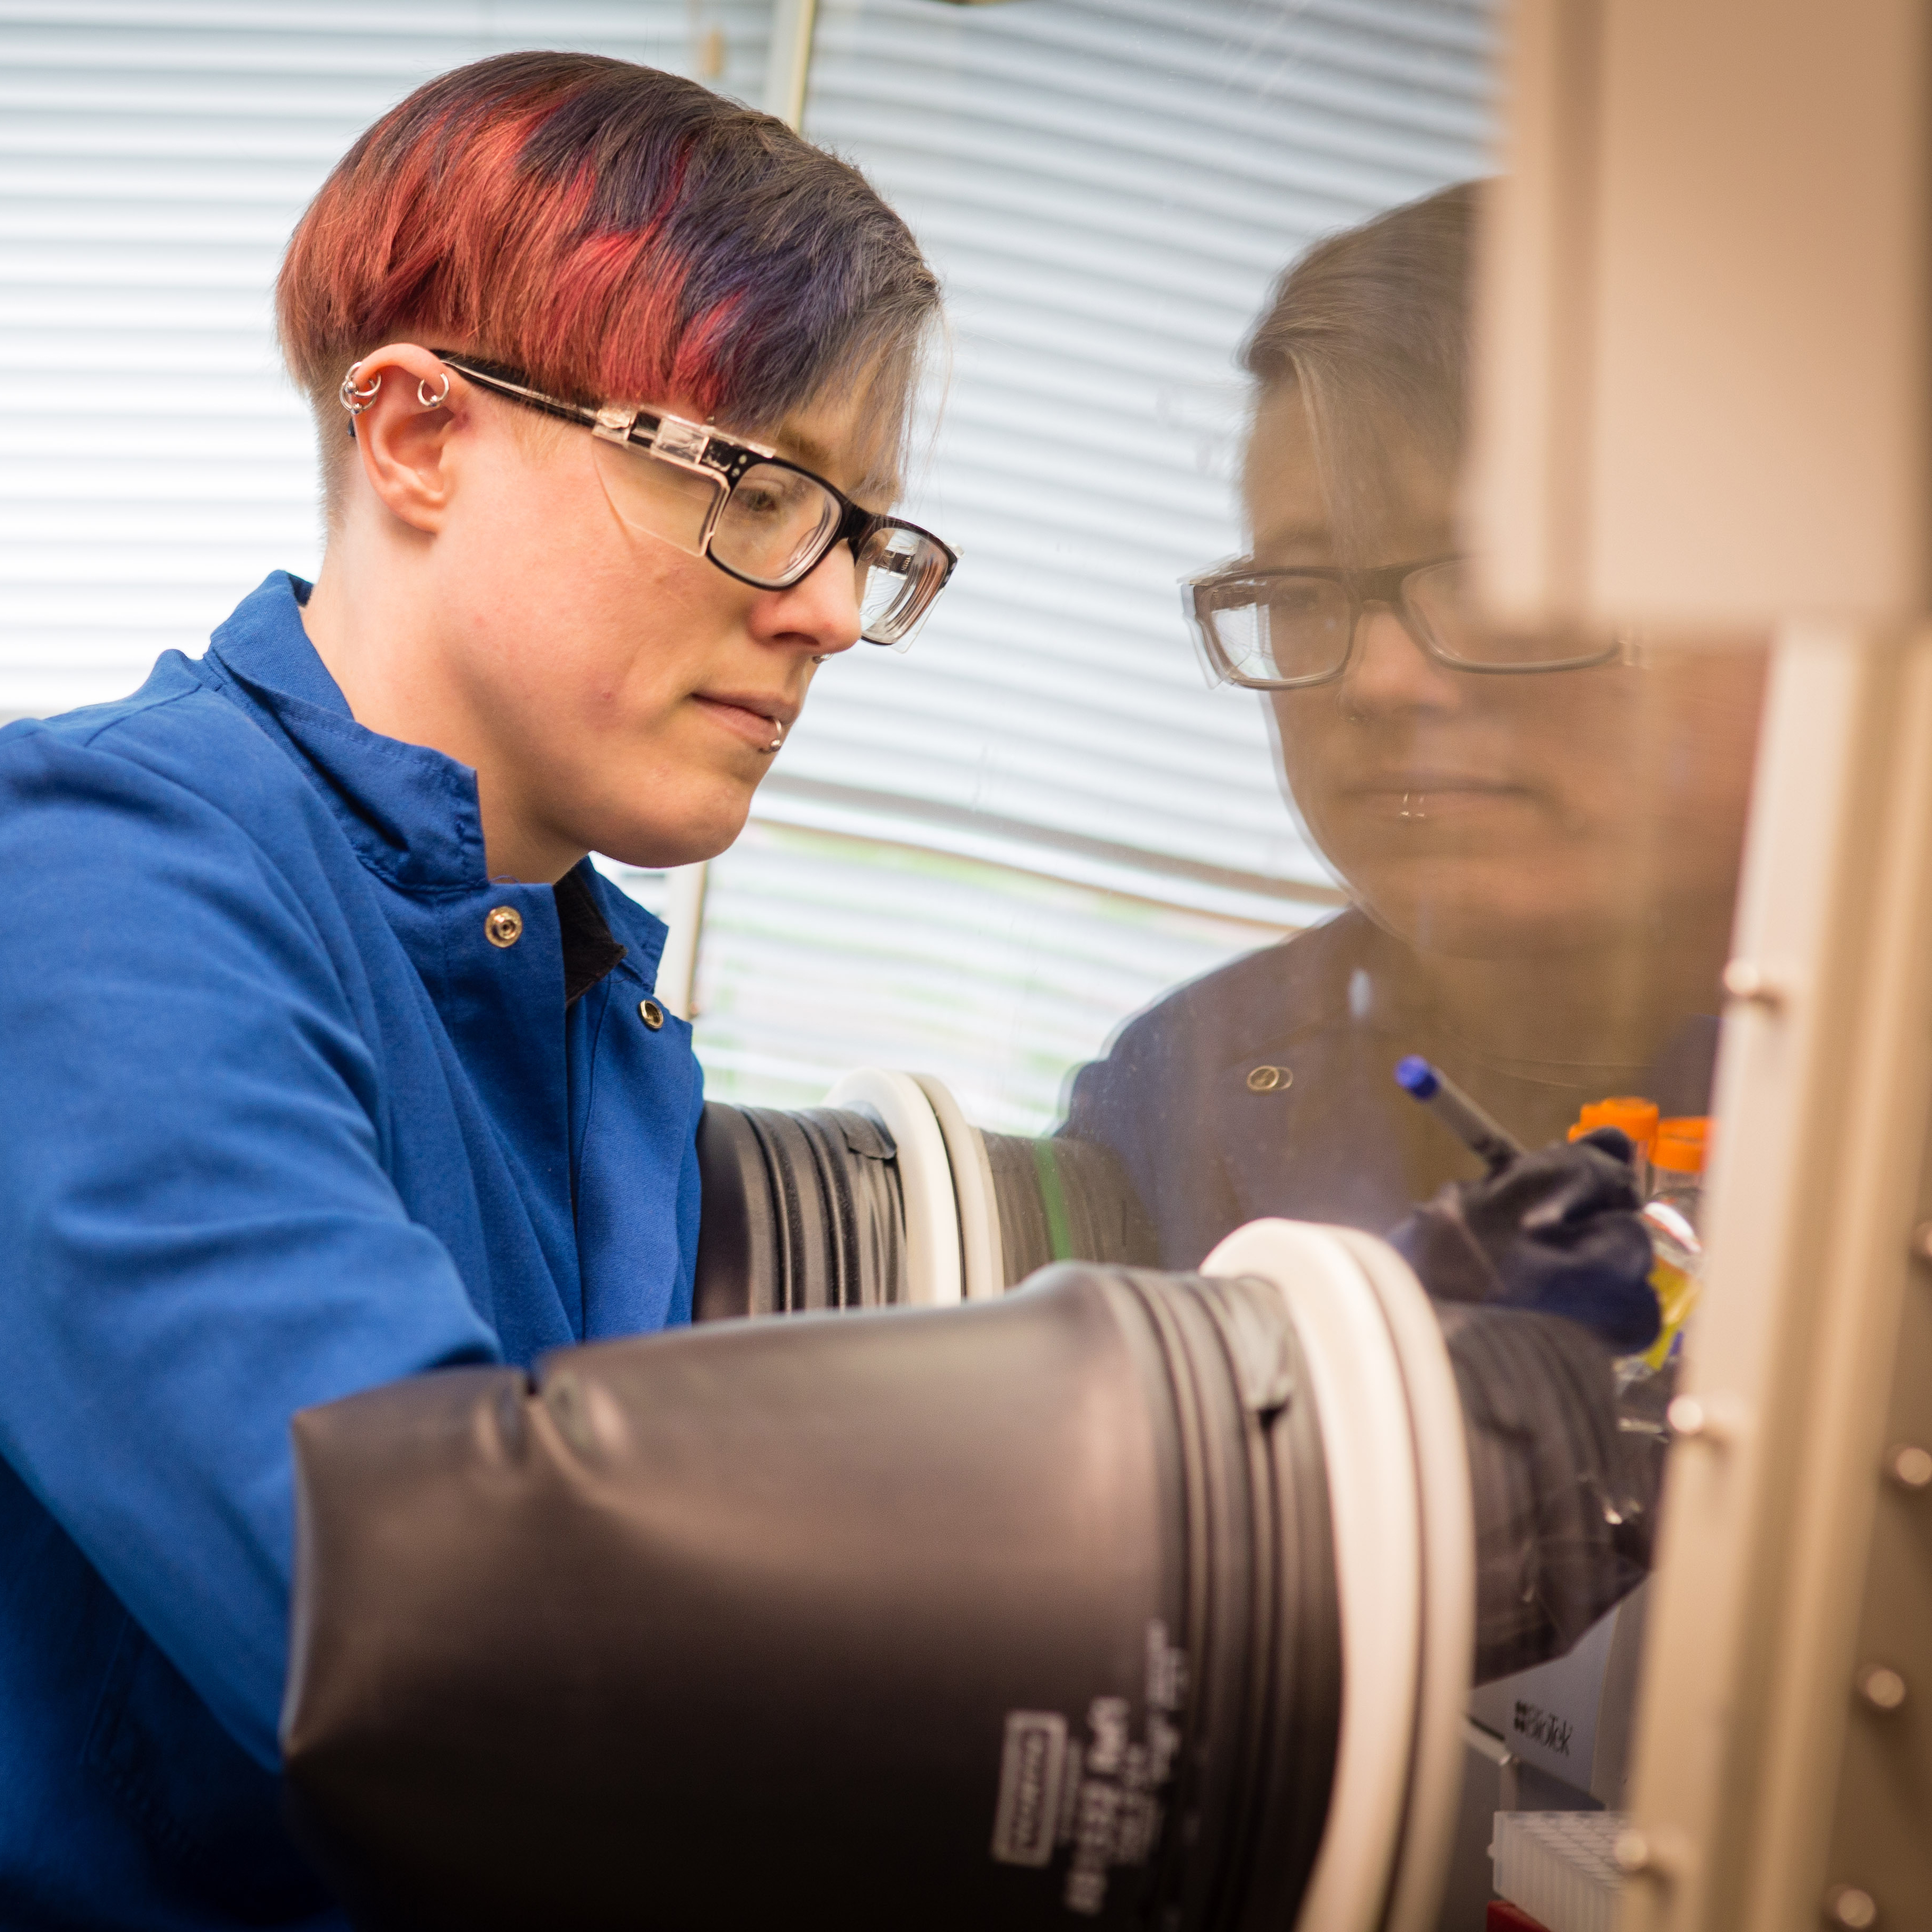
[(280, 1122)]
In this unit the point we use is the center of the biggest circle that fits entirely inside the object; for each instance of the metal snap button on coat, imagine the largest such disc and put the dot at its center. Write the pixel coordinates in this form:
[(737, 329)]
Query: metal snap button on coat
[(503, 926), (651, 1013), (1268, 1079)]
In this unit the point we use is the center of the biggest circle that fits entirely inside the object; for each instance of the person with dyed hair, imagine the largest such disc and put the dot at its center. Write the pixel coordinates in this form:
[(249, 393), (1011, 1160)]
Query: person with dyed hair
[(331, 1058)]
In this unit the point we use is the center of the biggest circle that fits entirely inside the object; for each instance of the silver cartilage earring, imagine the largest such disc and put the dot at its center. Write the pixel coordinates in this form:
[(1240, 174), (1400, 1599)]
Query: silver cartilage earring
[(355, 400), (424, 397)]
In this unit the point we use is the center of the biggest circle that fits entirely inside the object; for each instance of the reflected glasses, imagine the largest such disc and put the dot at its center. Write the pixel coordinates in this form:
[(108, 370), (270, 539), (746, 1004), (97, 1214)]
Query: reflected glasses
[(1283, 630), (765, 521)]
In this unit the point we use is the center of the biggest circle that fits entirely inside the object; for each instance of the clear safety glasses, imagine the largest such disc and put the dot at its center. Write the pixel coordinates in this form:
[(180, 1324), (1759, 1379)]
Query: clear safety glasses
[(1281, 630), (759, 518)]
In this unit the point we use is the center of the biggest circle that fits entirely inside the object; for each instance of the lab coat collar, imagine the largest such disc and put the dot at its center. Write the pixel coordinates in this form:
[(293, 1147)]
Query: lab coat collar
[(410, 812)]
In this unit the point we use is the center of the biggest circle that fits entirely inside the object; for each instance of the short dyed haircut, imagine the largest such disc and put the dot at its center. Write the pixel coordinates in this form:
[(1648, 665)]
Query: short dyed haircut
[(1371, 327), (619, 233)]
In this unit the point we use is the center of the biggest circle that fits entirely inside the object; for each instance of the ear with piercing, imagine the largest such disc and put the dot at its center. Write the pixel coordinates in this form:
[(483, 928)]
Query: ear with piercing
[(357, 396)]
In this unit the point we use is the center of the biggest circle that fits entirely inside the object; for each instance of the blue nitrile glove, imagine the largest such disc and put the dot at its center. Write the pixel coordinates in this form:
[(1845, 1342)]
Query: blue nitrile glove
[(1556, 1230)]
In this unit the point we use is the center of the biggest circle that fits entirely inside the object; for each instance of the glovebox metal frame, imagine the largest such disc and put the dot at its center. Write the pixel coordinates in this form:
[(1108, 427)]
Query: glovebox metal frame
[(1704, 407)]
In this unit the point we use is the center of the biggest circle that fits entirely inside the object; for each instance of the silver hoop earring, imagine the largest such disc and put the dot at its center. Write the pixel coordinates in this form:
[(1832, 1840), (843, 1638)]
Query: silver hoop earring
[(424, 397), (355, 400)]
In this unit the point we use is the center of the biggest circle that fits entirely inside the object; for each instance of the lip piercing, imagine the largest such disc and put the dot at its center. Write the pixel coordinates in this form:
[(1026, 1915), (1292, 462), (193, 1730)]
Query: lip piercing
[(424, 397), (355, 400), (1419, 814)]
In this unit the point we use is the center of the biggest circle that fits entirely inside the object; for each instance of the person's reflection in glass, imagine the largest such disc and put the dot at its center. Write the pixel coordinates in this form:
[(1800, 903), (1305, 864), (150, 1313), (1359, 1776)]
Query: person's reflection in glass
[(1542, 863)]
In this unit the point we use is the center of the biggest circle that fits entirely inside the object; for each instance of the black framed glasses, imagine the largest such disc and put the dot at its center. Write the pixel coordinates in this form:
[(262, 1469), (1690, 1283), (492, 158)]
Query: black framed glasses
[(1283, 630), (767, 522)]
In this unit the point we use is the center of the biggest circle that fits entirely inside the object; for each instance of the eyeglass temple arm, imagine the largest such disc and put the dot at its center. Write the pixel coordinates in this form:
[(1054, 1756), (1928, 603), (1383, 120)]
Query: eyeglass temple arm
[(643, 425)]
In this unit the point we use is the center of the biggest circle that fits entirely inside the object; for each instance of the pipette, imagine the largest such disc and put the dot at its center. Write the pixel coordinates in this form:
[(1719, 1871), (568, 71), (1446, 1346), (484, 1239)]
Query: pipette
[(1485, 1137)]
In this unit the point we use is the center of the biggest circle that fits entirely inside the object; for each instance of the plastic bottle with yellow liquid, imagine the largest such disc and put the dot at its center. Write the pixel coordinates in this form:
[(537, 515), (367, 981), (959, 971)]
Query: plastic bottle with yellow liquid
[(1675, 1215), (1668, 1153)]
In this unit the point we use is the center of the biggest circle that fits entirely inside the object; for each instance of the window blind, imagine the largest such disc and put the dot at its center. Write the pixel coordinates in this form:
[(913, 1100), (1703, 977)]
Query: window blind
[(1108, 188)]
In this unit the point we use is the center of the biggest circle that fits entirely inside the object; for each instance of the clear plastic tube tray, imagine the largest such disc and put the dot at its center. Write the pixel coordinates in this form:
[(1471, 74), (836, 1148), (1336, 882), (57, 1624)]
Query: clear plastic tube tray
[(1560, 1866)]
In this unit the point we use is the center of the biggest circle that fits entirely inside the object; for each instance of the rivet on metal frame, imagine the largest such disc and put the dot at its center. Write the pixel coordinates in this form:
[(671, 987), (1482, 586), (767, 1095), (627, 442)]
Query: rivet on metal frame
[(1748, 983), (1716, 1420), (1881, 1688), (1852, 1907), (1656, 1855)]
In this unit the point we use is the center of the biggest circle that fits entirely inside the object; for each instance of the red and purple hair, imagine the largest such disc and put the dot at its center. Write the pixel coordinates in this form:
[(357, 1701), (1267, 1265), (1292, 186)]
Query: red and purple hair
[(618, 233)]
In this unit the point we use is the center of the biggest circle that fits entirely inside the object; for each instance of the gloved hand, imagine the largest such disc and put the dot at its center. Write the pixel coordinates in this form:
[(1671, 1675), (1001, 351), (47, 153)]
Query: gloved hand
[(1556, 1230)]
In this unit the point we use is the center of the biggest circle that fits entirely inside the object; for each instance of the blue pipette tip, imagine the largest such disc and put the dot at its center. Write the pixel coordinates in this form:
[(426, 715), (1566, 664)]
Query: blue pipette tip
[(1413, 1074)]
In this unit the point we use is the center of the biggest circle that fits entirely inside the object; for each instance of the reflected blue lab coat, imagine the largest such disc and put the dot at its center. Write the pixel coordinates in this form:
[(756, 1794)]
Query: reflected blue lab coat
[(280, 1123)]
